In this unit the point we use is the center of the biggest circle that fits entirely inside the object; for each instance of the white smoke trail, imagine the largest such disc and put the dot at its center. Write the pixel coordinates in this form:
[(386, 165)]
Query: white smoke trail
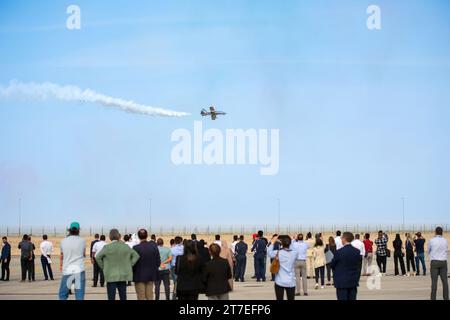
[(48, 90)]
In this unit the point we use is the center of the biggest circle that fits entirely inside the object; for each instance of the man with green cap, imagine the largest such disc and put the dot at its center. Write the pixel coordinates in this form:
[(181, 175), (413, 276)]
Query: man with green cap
[(72, 263)]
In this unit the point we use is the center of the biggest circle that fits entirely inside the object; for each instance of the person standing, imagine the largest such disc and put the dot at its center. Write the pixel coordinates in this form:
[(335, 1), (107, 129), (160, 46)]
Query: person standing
[(301, 247), (98, 246), (146, 269), (96, 239), (165, 255), (398, 255), (381, 252), (93, 242), (419, 243), (319, 262), (368, 257), (217, 275), (346, 265), (260, 249), (240, 252), (46, 252), (128, 241), (225, 253), (6, 259), (73, 252), (177, 250), (233, 253), (358, 244), (437, 251), (32, 261), (217, 240), (189, 269), (233, 244), (203, 251), (117, 261), (276, 246), (310, 255), (338, 240), (26, 252), (409, 247), (285, 278), (330, 247)]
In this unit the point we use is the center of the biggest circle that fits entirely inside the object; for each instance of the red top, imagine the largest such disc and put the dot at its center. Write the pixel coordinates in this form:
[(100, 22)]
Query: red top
[(368, 245)]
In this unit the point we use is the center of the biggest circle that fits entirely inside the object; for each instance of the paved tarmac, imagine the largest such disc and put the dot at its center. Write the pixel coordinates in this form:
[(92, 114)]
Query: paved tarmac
[(391, 287)]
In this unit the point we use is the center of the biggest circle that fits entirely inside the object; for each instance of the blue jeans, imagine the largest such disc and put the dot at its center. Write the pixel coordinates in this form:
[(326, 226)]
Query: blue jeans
[(46, 267), (421, 257), (260, 264), (66, 281), (120, 286)]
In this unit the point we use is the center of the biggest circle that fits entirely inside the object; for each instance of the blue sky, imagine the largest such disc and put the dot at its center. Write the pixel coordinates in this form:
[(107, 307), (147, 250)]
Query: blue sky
[(363, 115)]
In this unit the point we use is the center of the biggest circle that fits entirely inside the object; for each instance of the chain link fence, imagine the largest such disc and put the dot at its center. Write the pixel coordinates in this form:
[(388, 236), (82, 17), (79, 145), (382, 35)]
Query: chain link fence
[(172, 230)]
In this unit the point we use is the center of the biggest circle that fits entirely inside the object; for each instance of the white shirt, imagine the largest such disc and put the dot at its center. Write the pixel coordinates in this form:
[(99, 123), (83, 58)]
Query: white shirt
[(233, 246), (98, 246), (218, 242), (301, 248), (338, 242), (437, 248), (73, 249), (286, 276), (46, 248), (358, 244), (131, 244)]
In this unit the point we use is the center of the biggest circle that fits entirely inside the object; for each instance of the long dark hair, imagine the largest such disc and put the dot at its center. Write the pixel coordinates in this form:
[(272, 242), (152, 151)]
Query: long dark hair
[(191, 252), (331, 242), (319, 242)]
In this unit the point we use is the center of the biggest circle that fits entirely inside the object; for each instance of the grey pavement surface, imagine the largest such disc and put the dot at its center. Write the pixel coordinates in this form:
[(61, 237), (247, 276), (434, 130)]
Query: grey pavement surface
[(391, 287)]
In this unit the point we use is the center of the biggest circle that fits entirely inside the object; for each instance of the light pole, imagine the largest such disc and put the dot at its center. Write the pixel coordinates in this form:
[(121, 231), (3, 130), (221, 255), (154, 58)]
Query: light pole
[(279, 215), (20, 214), (150, 216), (403, 213)]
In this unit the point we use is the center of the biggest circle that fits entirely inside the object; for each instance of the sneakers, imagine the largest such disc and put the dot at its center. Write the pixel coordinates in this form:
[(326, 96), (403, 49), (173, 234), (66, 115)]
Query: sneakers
[(322, 287), (316, 286)]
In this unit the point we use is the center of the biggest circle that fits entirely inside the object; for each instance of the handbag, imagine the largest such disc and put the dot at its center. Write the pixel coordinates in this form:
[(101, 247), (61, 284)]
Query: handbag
[(329, 257), (388, 253), (275, 265)]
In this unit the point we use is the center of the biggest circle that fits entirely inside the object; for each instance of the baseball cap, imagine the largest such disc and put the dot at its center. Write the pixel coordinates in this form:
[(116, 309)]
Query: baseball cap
[(74, 225)]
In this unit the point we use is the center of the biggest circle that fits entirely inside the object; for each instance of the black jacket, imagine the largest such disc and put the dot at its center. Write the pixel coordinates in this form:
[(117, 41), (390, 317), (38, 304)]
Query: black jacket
[(189, 276), (146, 269), (216, 275), (346, 266)]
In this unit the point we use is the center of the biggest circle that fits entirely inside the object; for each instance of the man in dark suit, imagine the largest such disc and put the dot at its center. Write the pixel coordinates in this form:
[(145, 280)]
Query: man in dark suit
[(346, 265), (216, 274), (146, 269), (6, 259), (240, 252), (260, 249)]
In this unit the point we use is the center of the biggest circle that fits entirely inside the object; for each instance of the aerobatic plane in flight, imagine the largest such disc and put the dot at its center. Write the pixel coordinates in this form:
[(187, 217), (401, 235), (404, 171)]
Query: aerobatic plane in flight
[(212, 112)]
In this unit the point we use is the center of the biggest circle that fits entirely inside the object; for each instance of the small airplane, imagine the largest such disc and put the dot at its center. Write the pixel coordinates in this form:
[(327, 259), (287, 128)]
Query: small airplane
[(212, 112)]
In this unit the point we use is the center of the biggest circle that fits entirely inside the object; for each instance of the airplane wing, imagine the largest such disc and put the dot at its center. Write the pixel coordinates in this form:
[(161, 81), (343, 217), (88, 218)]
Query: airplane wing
[(213, 116)]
